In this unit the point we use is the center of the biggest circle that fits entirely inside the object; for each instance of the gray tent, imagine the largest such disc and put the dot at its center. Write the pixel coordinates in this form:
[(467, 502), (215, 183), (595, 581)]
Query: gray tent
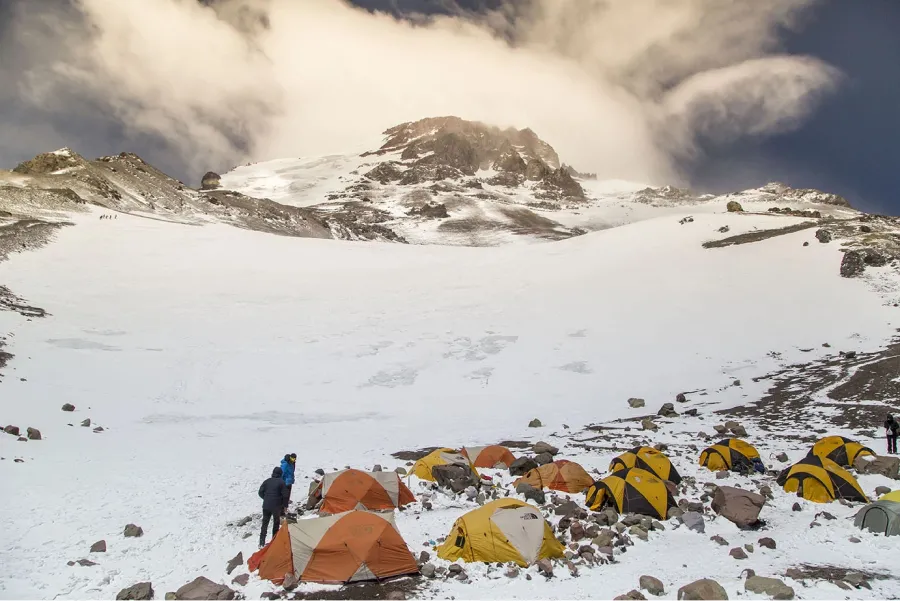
[(881, 517)]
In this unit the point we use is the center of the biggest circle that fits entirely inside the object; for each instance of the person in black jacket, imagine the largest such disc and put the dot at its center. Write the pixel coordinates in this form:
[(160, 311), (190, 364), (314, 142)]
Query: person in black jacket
[(274, 494), (891, 431)]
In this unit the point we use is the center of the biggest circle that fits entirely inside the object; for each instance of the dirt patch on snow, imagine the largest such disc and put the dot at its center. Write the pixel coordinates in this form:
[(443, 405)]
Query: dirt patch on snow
[(759, 235), (413, 455)]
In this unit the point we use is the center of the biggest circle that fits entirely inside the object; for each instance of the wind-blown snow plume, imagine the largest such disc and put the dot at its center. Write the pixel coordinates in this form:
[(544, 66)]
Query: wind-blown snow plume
[(620, 88)]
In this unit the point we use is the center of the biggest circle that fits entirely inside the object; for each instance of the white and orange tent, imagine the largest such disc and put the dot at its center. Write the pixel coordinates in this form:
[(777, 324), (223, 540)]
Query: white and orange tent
[(351, 489), (493, 456), (347, 547)]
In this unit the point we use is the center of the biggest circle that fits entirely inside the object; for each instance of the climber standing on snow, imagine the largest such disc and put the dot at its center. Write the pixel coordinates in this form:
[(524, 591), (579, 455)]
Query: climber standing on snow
[(891, 431), (274, 494), (287, 474)]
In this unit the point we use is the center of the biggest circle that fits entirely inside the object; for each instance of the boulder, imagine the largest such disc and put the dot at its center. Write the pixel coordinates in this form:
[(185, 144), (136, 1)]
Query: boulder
[(674, 512), (652, 585), (68, 407), (203, 588), (531, 493), (455, 477), (738, 553), (719, 540), (543, 447), (636, 403), (680, 398), (535, 423), (667, 410), (86, 423), (521, 466), (14, 430), (734, 206), (853, 263), (881, 465), (632, 595), (543, 458), (739, 431), (720, 429), (545, 567), (638, 531), (767, 542), (210, 181), (605, 538), (823, 236), (773, 587), (99, 547), (234, 562), (741, 507), (694, 521), (704, 589), (400, 470), (648, 424), (133, 531), (427, 570), (33, 434), (241, 580), (141, 590), (882, 490)]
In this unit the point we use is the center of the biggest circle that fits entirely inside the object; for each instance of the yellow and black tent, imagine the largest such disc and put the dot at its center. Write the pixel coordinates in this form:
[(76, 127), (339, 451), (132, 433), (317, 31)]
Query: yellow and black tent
[(646, 458), (731, 454), (632, 491), (501, 531), (842, 451), (821, 481), (445, 456)]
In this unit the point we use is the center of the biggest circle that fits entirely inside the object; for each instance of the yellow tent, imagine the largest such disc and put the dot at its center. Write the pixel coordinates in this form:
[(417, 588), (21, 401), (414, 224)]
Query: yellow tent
[(646, 458), (505, 530), (820, 480), (445, 456), (842, 451), (730, 454), (631, 491), (894, 496)]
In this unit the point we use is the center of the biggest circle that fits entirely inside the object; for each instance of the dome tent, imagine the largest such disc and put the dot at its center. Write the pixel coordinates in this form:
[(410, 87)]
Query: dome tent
[(444, 456), (821, 481), (501, 531), (351, 489), (649, 459), (842, 451), (561, 475), (631, 491), (881, 517), (731, 454), (493, 456)]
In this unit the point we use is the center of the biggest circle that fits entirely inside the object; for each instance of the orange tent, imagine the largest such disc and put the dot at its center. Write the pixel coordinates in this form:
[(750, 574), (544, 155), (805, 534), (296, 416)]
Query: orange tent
[(347, 490), (490, 457), (341, 548), (566, 476)]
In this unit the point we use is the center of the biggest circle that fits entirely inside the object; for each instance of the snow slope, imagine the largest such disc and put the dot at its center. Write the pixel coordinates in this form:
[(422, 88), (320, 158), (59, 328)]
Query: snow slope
[(207, 353)]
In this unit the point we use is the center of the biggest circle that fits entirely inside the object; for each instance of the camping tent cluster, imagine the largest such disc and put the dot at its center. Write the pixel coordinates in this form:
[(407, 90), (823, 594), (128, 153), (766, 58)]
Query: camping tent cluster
[(356, 538)]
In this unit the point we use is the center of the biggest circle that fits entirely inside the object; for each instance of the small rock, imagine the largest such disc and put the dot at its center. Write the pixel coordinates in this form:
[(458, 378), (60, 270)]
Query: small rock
[(567, 508), (722, 474), (853, 539), (691, 412), (424, 556), (680, 398), (98, 429), (648, 424), (766, 491), (14, 430), (667, 410), (736, 383), (881, 490), (22, 439), (426, 505), (576, 531), (133, 531), (545, 567), (734, 206), (782, 457), (401, 471), (718, 539), (773, 587), (512, 572), (543, 458), (749, 547), (806, 244), (33, 434), (636, 403), (86, 563), (543, 447), (535, 423), (86, 423), (652, 585), (823, 236), (739, 431), (767, 542), (704, 589), (18, 460), (427, 570), (141, 590), (99, 547), (241, 580), (290, 582), (234, 562), (720, 429), (68, 407), (674, 512), (172, 596), (738, 553), (638, 532), (531, 493), (521, 466), (396, 596), (694, 521), (605, 538), (796, 507), (377, 468), (454, 568), (244, 521), (480, 498)]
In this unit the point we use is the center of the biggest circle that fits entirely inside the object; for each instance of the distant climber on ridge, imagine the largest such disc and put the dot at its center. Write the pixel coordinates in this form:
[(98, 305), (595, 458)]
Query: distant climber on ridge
[(287, 471), (274, 494)]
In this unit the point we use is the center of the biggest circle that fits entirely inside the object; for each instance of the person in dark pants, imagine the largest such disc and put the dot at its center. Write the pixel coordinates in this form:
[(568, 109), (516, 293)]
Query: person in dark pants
[(891, 431), (287, 474), (274, 494)]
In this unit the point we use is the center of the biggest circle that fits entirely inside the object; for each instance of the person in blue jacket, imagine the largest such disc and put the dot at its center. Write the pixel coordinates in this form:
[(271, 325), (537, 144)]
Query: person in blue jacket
[(287, 474)]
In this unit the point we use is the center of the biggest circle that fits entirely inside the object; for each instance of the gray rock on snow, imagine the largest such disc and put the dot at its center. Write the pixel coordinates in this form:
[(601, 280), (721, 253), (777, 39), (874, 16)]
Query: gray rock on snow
[(638, 531), (635, 403), (68, 407), (33, 433), (882, 490), (13, 430), (604, 538), (782, 457), (512, 572), (823, 236), (140, 591), (86, 423), (881, 465), (631, 595), (241, 580), (704, 589), (738, 553), (767, 542), (719, 540), (720, 429), (132, 531), (535, 423), (427, 570), (680, 398), (531, 493), (739, 506), (667, 410), (521, 466), (773, 587), (649, 424), (400, 470), (203, 588), (694, 521), (543, 458), (674, 512), (290, 582), (652, 585), (99, 547), (544, 447), (234, 562), (545, 567)]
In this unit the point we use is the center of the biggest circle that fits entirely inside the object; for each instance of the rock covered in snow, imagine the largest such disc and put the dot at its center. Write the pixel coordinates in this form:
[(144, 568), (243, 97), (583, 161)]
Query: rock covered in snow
[(881, 465)]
